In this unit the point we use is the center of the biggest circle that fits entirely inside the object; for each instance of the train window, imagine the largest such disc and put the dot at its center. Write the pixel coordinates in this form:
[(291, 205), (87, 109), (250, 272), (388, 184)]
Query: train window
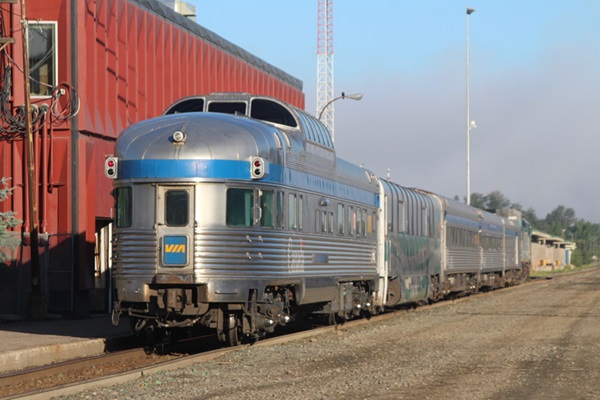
[(227, 107), (177, 208), (300, 212), (340, 219), (374, 222), (425, 221), (188, 105), (292, 211), (412, 216), (369, 225), (351, 220), (123, 203), (359, 221), (390, 213), (240, 203), (323, 221), (267, 205), (401, 217), (330, 223), (268, 110), (279, 211), (410, 211)]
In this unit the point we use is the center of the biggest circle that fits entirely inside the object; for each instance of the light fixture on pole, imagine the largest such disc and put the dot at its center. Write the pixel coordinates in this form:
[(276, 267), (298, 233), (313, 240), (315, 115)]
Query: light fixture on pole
[(470, 124), (355, 96)]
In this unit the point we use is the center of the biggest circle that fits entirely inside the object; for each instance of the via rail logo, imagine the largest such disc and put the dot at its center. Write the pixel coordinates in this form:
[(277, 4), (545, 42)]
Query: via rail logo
[(175, 250)]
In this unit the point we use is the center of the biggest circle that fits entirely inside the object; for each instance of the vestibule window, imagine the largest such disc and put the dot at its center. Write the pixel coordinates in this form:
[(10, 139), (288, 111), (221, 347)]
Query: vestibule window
[(177, 208)]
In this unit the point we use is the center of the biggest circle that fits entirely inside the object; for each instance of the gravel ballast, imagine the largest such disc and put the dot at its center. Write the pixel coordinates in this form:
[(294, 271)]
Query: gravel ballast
[(536, 341)]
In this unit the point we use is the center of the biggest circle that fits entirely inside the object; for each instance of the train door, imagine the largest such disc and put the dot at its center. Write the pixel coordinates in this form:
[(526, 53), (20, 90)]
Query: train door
[(100, 296), (175, 227), (382, 247)]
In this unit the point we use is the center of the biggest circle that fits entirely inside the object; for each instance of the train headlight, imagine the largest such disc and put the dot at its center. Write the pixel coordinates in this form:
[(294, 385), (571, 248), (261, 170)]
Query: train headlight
[(178, 137), (111, 165), (257, 168)]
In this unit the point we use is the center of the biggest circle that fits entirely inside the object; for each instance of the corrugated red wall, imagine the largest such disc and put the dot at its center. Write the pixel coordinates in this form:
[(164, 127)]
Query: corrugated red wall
[(128, 60)]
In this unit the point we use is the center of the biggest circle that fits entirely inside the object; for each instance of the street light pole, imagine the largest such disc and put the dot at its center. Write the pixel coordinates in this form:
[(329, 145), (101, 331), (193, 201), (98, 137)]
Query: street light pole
[(469, 12), (355, 96)]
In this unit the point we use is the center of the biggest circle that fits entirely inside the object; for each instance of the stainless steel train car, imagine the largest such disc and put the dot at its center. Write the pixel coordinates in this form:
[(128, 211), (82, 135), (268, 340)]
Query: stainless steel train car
[(233, 212)]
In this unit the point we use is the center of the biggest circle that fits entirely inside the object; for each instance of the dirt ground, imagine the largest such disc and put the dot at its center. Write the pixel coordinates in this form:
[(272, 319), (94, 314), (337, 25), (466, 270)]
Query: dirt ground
[(536, 341)]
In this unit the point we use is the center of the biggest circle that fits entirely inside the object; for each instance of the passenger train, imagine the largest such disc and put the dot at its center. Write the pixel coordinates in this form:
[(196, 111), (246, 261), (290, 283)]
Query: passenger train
[(233, 212)]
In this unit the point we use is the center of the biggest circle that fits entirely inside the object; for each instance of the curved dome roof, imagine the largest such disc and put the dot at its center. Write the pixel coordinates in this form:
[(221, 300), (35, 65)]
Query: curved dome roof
[(208, 136)]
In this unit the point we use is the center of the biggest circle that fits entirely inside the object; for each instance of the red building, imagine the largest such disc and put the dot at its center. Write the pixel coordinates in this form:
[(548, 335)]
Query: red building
[(96, 67)]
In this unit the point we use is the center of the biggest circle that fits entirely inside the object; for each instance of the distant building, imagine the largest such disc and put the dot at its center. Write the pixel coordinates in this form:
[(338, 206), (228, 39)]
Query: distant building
[(550, 252)]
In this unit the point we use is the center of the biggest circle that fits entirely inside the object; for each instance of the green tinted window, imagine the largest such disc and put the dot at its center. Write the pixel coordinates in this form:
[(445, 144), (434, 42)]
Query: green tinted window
[(123, 204), (239, 207), (279, 210), (267, 205)]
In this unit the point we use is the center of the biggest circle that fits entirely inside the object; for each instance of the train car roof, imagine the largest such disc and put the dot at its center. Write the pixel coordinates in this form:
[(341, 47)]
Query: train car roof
[(207, 136), (264, 108)]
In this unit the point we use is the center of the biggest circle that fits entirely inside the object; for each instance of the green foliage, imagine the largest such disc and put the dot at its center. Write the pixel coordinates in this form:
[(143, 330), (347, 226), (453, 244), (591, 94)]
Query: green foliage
[(492, 201), (8, 220)]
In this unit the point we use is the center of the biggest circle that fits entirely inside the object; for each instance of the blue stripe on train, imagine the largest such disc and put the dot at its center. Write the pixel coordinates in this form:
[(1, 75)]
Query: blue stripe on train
[(239, 170), (164, 169)]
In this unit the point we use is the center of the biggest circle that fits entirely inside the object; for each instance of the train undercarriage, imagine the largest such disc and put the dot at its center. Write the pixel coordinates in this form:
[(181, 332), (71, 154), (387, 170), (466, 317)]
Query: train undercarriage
[(174, 309)]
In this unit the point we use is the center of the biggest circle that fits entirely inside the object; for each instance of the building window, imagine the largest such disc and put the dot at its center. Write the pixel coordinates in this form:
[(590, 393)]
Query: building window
[(43, 68)]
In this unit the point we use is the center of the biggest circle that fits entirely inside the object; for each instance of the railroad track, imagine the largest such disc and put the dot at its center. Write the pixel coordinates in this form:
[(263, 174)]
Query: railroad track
[(109, 369)]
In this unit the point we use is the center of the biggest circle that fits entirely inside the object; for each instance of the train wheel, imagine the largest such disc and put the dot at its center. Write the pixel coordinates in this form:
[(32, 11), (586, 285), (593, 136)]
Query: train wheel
[(232, 330)]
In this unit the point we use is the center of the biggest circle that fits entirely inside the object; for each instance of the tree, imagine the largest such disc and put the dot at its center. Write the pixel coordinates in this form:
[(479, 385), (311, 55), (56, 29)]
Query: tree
[(496, 200), (560, 219), (8, 220), (492, 201), (533, 219), (477, 200)]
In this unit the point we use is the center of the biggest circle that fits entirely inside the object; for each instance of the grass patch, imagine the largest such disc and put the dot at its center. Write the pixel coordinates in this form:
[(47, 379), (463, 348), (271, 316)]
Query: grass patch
[(564, 270)]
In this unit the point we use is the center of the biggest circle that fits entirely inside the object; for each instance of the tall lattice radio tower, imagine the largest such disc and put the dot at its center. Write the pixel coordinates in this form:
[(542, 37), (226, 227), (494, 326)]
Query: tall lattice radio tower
[(325, 64)]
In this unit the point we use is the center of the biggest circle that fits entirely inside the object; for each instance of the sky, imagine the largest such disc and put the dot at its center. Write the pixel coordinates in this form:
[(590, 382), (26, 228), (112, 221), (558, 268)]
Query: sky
[(534, 89)]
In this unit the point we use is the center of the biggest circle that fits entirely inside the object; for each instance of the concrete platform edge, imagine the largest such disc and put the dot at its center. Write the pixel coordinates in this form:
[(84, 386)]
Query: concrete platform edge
[(38, 356)]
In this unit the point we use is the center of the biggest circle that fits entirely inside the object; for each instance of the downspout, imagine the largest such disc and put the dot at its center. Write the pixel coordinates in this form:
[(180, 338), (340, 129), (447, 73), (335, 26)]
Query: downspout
[(75, 237)]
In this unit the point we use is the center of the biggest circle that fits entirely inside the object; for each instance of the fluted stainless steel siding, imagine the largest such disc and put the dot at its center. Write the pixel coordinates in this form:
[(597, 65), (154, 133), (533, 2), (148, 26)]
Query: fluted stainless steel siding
[(136, 254), (462, 260), (493, 259), (243, 254)]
